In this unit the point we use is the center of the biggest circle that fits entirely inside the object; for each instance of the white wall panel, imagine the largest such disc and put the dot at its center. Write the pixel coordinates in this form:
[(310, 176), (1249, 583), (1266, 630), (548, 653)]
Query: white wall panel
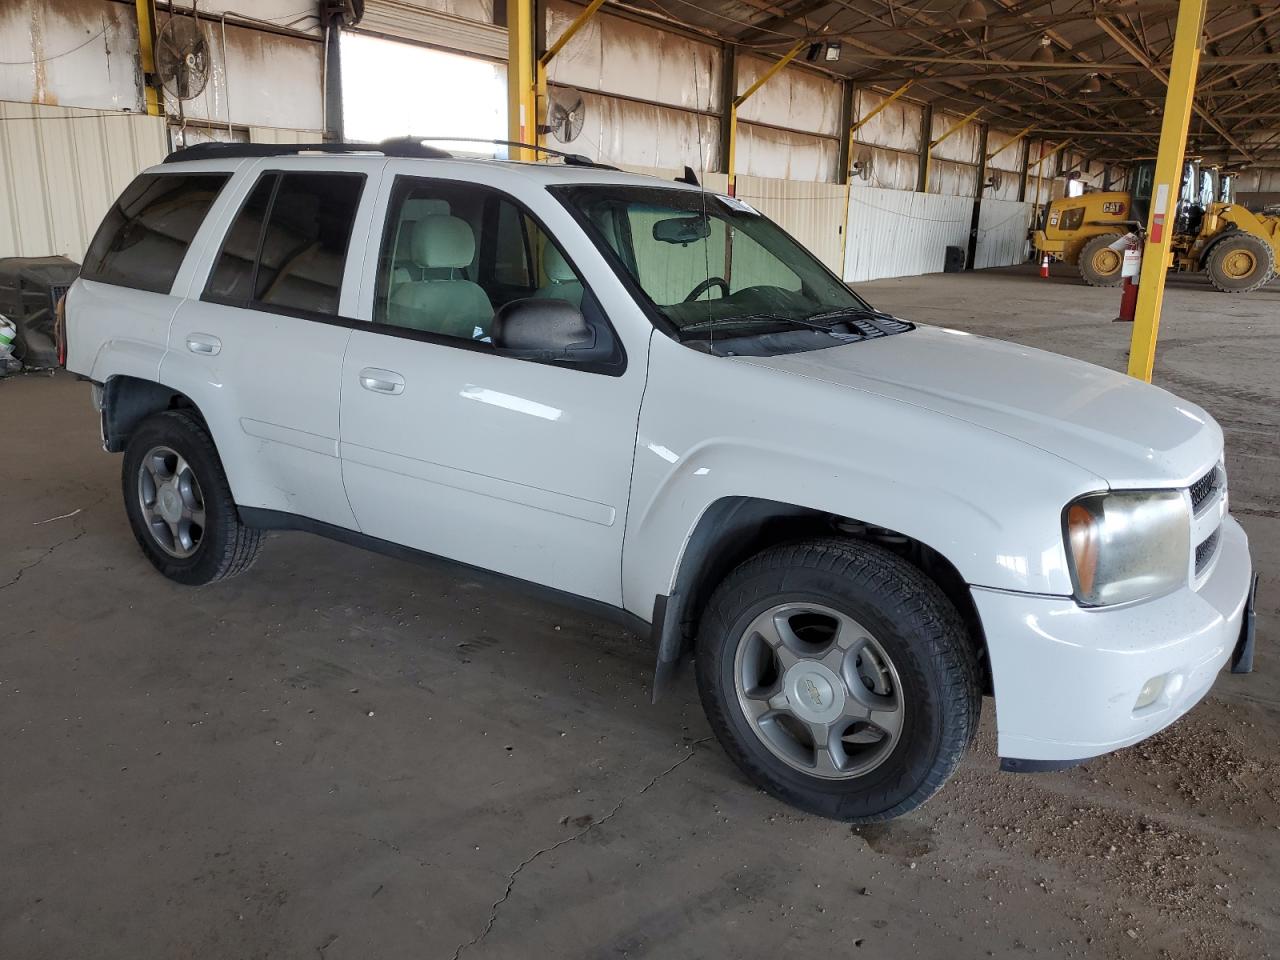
[(60, 168), (283, 135), (794, 97), (961, 145), (897, 233), (813, 213), (1002, 233), (622, 131), (262, 79), (898, 125), (952, 179), (765, 152), (461, 27), (81, 53), (613, 55)]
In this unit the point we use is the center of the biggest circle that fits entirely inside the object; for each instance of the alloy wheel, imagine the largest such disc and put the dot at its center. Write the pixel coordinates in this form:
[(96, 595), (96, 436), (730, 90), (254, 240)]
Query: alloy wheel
[(819, 690), (171, 501)]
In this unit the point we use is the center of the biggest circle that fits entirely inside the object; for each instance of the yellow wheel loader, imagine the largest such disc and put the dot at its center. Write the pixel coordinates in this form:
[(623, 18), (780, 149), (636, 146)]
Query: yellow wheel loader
[(1237, 248)]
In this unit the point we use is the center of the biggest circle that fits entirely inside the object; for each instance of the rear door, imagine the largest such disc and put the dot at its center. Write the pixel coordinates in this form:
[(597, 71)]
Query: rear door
[(261, 338), (452, 447)]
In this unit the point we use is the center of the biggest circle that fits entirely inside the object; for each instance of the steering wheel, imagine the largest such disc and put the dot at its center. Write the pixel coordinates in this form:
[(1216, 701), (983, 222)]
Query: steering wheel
[(706, 285)]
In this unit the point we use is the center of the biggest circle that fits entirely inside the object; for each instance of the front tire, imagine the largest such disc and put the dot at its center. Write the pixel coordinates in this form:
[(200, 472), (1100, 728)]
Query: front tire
[(1240, 263), (839, 678), (179, 502), (1100, 266)]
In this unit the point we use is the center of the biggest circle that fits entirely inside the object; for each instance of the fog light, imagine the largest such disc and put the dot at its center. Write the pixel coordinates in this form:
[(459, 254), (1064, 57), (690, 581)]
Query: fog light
[(1150, 692)]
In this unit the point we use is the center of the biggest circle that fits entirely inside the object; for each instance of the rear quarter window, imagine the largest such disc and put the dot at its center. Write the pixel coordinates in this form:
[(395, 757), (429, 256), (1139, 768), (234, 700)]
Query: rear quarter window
[(147, 232)]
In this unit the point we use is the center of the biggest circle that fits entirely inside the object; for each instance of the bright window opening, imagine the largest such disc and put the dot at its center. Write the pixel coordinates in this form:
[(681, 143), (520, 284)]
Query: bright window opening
[(397, 89)]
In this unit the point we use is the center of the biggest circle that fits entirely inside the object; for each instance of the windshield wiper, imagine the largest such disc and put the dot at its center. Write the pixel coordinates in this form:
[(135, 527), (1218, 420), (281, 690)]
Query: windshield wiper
[(845, 313), (806, 324)]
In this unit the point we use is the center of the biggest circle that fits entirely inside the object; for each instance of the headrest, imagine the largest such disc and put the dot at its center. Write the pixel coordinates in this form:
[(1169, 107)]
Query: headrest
[(415, 208), (555, 266), (440, 240)]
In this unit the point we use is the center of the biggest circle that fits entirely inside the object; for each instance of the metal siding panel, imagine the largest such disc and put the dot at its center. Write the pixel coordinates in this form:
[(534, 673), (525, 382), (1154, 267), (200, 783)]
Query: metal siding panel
[(794, 98), (61, 171), (766, 152), (464, 27), (1002, 233), (613, 55), (897, 126), (813, 213), (896, 233), (623, 131)]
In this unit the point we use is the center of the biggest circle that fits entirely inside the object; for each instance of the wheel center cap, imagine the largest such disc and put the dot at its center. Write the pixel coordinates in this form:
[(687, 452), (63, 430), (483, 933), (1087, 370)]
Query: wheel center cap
[(170, 502), (814, 691)]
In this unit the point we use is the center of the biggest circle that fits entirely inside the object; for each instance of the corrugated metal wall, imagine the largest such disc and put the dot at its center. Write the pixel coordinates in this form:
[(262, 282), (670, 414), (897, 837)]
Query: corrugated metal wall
[(899, 233), (1002, 233), (813, 213), (60, 168), (888, 144)]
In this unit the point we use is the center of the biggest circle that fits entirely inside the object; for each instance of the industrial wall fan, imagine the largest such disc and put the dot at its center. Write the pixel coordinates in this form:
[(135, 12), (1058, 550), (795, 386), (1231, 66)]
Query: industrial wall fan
[(182, 57), (862, 165), (566, 113)]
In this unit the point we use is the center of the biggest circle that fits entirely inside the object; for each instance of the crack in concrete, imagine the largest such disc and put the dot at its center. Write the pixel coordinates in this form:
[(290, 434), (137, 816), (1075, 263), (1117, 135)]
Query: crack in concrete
[(511, 877), (41, 559)]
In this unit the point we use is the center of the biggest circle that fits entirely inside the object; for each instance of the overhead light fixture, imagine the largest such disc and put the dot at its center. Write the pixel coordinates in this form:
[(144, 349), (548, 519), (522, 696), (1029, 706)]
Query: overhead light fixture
[(1091, 84), (973, 10), (1044, 53), (833, 51)]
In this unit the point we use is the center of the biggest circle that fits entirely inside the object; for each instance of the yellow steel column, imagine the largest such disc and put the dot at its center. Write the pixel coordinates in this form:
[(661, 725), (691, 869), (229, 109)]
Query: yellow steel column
[(742, 98), (146, 54), (1157, 254), (522, 107)]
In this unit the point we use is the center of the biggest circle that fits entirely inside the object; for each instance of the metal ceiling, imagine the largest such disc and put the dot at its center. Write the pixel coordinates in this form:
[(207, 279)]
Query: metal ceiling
[(1092, 70)]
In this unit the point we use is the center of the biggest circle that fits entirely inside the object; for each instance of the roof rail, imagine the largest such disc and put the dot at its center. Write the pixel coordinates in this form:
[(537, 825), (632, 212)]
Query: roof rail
[(572, 159), (218, 150)]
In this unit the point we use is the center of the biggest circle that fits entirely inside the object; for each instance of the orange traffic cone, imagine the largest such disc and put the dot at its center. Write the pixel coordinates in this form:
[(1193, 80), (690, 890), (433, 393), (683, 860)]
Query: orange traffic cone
[(1044, 266)]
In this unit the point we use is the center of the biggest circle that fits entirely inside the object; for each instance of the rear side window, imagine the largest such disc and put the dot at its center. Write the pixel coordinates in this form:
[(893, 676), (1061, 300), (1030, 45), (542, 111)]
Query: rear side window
[(147, 231), (287, 248)]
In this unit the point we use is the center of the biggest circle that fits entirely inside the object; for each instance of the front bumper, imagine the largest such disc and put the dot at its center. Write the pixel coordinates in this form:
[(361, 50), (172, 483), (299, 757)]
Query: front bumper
[(1067, 677)]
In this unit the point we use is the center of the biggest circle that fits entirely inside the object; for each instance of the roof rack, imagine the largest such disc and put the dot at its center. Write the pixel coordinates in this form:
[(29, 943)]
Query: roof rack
[(571, 159), (218, 150)]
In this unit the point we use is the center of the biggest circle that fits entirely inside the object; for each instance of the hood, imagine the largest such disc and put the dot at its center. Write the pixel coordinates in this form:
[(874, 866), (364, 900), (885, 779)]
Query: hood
[(1126, 432)]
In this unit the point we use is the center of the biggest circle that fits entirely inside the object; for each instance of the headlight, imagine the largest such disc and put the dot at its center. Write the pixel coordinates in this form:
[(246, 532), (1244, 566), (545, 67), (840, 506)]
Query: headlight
[(1127, 546)]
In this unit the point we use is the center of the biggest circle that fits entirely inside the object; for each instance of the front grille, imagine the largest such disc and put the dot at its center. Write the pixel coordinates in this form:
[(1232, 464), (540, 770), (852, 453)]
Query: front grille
[(1202, 490), (1207, 550)]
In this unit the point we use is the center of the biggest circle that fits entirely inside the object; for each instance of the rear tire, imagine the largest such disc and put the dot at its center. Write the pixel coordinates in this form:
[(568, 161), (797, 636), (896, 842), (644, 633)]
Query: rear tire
[(1100, 265), (179, 502), (1241, 263), (802, 637)]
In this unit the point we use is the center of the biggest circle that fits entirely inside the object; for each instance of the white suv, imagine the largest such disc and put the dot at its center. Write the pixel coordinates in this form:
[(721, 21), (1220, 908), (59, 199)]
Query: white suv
[(648, 397)]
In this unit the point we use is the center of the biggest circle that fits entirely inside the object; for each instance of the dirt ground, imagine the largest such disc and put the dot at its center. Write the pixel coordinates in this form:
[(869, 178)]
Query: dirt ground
[(341, 755)]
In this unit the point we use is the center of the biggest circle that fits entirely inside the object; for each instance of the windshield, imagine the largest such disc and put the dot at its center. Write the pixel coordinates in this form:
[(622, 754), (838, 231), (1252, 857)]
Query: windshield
[(710, 265)]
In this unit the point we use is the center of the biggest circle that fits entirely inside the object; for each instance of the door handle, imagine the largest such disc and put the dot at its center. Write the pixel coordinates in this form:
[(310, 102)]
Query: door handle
[(203, 343), (381, 381)]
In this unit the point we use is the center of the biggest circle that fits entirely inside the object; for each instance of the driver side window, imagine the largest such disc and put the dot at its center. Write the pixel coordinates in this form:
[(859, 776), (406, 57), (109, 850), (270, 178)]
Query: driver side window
[(464, 262)]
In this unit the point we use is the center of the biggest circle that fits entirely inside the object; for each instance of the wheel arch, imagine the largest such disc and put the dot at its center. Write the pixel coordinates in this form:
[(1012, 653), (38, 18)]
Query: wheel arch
[(733, 529), (127, 401)]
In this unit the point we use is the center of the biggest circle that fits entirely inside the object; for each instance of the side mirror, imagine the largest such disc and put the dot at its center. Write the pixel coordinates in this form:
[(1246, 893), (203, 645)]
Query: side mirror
[(682, 229), (543, 329)]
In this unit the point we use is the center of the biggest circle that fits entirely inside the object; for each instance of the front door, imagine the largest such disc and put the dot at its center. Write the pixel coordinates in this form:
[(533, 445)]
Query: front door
[(452, 446)]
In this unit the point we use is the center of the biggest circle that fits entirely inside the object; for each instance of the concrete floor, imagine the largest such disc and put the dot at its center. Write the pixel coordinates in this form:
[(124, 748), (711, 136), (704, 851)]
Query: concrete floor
[(341, 755)]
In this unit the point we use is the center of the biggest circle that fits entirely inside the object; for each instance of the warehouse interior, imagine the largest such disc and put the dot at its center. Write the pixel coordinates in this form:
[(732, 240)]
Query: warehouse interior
[(349, 755)]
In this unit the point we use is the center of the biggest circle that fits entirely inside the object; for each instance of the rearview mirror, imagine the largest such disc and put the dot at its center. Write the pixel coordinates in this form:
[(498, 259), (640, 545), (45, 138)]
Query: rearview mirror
[(682, 229), (543, 329)]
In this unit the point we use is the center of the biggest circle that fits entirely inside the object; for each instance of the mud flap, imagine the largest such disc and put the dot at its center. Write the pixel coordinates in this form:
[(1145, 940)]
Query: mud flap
[(1242, 656)]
